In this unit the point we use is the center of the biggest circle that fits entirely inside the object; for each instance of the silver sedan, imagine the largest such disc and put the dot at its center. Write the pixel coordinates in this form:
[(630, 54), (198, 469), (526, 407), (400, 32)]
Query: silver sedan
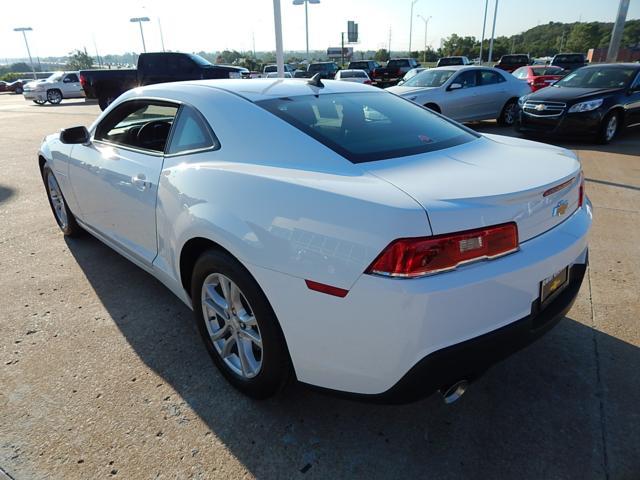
[(466, 93)]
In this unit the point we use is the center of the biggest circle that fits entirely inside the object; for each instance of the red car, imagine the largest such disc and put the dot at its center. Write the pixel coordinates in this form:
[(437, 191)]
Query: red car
[(539, 76)]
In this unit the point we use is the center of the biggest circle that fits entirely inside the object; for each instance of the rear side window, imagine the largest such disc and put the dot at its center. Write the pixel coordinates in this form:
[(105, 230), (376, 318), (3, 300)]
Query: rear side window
[(71, 78), (191, 133), (487, 77), (352, 74), (368, 126)]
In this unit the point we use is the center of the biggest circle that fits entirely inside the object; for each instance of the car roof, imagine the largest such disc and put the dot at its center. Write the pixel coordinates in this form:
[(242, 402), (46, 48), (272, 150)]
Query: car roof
[(615, 65), (264, 88)]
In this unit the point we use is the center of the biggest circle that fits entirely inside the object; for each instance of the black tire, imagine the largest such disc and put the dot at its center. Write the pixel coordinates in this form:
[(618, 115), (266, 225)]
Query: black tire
[(54, 96), (18, 91), (507, 116), (275, 369), (70, 227), (605, 135), (434, 107)]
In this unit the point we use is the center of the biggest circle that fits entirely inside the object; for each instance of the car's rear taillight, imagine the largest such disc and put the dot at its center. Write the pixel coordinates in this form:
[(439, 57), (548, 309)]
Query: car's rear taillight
[(581, 191), (83, 81), (367, 82), (414, 257)]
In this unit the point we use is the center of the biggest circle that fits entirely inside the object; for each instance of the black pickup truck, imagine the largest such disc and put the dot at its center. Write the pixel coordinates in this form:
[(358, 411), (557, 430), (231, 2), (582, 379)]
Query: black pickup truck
[(393, 71), (161, 67)]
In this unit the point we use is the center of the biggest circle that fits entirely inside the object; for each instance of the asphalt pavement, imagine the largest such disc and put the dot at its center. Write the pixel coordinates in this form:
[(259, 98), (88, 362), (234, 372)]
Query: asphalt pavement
[(103, 374)]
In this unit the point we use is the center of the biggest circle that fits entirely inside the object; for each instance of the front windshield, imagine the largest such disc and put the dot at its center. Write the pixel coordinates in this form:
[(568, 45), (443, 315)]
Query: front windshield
[(429, 78), (602, 77), (199, 60), (55, 77)]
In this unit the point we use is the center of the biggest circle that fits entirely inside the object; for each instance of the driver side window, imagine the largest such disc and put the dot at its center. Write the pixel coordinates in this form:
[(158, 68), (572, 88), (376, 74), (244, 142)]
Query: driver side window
[(139, 124)]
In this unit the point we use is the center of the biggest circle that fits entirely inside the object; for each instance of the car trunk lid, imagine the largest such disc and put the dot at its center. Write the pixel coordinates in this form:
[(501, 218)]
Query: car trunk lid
[(489, 181)]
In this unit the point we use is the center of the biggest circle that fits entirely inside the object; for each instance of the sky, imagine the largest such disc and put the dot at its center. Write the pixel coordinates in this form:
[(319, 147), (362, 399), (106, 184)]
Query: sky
[(211, 25)]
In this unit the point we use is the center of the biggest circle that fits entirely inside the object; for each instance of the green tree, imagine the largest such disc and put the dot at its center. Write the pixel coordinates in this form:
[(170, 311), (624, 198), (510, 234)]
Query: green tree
[(381, 55), (583, 36), (79, 60)]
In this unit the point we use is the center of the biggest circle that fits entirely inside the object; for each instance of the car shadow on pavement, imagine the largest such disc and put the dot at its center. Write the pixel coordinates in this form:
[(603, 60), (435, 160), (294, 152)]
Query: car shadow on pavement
[(550, 411), (6, 193)]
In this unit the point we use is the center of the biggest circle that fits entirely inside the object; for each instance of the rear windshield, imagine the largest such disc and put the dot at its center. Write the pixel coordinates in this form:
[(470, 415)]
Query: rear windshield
[(443, 62), (360, 65), (352, 74), (270, 68), (318, 67), (429, 78), (538, 72), (577, 58), (397, 63), (514, 59), (368, 126)]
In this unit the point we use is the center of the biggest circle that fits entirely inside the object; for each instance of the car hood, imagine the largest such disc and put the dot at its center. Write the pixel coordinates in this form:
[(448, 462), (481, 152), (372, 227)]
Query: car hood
[(489, 181), (567, 94)]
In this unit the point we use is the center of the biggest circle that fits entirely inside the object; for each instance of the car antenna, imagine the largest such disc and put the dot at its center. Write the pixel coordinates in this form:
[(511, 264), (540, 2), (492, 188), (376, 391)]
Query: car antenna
[(316, 81)]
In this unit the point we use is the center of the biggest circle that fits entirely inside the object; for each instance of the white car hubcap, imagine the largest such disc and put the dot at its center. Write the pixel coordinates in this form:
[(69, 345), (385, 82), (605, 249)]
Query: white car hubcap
[(612, 126), (232, 326)]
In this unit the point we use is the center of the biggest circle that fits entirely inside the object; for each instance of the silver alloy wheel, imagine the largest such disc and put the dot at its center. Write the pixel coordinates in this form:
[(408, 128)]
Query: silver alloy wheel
[(55, 195), (54, 96), (612, 127), (232, 326), (510, 114)]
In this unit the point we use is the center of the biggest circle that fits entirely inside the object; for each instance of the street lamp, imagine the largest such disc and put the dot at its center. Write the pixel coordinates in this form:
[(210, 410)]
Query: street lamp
[(24, 30), (139, 21), (306, 18), (493, 31), (413, 2), (426, 25)]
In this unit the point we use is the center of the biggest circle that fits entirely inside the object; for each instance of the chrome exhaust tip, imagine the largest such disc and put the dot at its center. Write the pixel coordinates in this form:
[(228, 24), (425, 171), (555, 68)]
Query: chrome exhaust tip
[(453, 393)]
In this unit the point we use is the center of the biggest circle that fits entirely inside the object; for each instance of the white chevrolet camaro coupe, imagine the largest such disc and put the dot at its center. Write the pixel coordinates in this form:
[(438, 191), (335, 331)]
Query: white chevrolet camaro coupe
[(330, 232)]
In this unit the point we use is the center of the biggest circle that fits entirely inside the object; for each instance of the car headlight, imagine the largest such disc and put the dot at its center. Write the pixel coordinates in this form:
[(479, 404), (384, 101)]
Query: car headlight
[(522, 99), (586, 106)]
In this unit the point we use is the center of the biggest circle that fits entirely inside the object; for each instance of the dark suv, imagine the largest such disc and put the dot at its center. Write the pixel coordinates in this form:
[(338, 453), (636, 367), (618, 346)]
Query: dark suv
[(327, 70), (367, 65), (510, 63), (569, 61)]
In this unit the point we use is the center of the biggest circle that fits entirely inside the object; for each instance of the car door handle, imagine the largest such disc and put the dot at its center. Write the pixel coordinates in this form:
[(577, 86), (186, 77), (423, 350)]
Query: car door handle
[(140, 182)]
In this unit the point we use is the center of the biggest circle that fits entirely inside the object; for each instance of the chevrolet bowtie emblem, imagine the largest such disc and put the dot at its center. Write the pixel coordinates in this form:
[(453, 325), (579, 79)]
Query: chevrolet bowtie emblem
[(540, 107), (560, 209)]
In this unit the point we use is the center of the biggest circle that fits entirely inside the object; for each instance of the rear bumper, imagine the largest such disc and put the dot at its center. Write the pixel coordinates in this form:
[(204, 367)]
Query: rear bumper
[(468, 360)]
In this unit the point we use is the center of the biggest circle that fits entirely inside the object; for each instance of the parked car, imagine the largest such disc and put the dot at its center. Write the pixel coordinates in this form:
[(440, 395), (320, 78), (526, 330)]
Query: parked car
[(410, 74), (295, 264), (275, 75), (327, 70), (510, 63), (569, 61), (449, 61), (538, 77), (353, 75), (466, 93), (54, 89), (395, 69), (367, 65), (156, 67), (596, 101), (274, 68), (17, 86)]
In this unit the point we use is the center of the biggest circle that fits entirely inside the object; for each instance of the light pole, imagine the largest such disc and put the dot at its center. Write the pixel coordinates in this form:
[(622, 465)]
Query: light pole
[(413, 2), (616, 35), (484, 24), (277, 21), (306, 18), (426, 25), (493, 31), (139, 21), (24, 30)]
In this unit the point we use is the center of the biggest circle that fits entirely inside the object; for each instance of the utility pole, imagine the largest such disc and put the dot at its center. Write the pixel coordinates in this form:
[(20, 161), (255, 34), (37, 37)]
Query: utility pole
[(413, 2), (389, 50), (342, 50), (484, 24), (277, 20), (616, 35), (139, 21), (95, 45), (426, 26), (161, 36), (493, 32)]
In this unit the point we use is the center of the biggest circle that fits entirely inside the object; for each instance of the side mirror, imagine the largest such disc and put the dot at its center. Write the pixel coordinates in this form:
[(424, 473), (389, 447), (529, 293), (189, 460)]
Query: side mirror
[(454, 86), (74, 135)]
